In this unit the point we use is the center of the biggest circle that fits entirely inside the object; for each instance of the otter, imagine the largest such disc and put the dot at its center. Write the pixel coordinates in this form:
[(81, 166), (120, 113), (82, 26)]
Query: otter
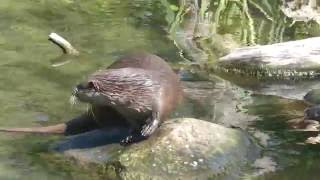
[(139, 90)]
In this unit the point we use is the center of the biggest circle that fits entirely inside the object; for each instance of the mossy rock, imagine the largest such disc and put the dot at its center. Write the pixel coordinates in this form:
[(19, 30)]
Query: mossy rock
[(183, 148)]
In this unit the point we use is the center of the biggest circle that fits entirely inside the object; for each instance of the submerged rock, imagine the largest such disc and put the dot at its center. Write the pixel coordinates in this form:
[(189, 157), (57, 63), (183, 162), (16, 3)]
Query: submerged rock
[(300, 124), (313, 97), (264, 165), (312, 112), (183, 148)]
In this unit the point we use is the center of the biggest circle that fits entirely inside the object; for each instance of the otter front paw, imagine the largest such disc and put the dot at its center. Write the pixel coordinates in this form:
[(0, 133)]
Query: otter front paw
[(126, 141), (150, 128), (131, 139)]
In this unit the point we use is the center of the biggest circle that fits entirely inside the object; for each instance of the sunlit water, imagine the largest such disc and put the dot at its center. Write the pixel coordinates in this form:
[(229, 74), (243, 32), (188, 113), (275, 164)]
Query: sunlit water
[(35, 90)]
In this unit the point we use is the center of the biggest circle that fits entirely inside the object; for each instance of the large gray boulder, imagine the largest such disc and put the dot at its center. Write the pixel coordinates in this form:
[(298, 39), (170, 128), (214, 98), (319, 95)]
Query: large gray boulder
[(183, 148)]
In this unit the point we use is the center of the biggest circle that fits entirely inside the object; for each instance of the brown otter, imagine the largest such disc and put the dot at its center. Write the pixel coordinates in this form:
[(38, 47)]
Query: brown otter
[(139, 90)]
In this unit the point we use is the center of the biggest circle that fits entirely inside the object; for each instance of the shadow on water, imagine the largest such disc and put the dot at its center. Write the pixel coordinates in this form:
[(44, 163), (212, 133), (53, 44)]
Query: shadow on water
[(91, 139)]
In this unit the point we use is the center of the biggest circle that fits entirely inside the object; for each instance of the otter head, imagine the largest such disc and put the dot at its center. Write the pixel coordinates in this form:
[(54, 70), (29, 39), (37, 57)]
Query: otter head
[(89, 92)]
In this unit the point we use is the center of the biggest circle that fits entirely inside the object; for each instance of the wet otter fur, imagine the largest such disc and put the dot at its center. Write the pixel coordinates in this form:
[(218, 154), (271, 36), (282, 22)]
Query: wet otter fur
[(139, 90)]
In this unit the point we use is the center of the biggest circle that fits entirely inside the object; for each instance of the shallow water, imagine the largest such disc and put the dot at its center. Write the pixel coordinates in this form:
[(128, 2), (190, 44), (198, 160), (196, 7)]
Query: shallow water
[(35, 91)]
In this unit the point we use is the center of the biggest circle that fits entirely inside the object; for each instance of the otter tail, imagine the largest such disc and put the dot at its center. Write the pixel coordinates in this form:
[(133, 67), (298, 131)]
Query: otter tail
[(54, 129)]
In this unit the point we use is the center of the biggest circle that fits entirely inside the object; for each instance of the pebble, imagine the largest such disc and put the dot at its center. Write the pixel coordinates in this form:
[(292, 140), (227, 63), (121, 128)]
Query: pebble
[(194, 164)]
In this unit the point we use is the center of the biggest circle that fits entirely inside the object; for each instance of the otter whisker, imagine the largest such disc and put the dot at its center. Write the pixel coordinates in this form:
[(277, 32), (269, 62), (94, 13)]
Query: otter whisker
[(89, 109), (73, 100)]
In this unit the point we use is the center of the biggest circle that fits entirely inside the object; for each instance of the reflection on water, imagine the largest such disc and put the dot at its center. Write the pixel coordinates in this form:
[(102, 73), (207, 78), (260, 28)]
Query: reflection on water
[(211, 28), (259, 22)]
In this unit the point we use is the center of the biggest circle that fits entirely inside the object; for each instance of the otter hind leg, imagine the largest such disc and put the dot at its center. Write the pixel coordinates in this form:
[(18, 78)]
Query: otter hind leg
[(151, 126), (147, 129), (142, 133), (156, 117)]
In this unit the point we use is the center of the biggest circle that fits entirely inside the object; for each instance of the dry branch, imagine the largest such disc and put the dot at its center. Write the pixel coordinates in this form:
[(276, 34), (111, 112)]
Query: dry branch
[(66, 47)]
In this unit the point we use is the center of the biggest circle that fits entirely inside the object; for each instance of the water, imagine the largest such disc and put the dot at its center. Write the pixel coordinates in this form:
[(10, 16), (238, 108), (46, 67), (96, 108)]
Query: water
[(224, 24), (261, 22), (35, 91)]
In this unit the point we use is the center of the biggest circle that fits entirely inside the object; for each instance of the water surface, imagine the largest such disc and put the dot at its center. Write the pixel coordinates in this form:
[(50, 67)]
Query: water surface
[(34, 91)]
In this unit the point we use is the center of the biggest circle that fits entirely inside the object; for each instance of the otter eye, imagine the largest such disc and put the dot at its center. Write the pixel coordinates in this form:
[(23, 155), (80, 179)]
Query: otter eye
[(86, 85), (90, 85)]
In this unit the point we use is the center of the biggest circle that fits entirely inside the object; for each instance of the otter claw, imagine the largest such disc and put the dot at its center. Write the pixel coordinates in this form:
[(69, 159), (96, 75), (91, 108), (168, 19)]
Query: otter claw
[(126, 141), (131, 139), (148, 129)]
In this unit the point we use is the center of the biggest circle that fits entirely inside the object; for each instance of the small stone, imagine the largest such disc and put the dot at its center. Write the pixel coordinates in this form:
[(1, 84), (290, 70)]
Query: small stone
[(200, 160), (42, 117), (185, 163), (154, 165), (194, 164)]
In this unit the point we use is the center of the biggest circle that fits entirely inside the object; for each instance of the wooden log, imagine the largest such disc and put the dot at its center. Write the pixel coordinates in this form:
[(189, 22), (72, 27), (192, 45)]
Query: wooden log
[(298, 54), (288, 60)]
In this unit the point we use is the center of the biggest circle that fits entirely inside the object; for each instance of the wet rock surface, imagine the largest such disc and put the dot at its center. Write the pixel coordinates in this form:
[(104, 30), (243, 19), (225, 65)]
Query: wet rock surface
[(183, 148)]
